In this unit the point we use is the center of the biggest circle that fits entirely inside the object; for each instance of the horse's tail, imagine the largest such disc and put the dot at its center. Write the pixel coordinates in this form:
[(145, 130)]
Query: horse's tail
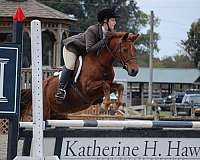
[(26, 98)]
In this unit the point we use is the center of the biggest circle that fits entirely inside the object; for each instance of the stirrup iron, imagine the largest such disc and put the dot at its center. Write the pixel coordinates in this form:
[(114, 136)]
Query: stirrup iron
[(58, 95)]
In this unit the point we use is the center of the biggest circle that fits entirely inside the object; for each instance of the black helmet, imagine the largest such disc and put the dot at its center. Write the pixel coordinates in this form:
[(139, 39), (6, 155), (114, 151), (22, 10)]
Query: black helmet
[(106, 13)]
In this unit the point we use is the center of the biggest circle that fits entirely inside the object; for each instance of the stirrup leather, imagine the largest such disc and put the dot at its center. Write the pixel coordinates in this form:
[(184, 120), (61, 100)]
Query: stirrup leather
[(61, 94)]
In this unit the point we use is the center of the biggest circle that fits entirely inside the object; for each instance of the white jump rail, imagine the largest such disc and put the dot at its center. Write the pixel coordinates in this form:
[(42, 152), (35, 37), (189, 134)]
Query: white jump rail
[(117, 124)]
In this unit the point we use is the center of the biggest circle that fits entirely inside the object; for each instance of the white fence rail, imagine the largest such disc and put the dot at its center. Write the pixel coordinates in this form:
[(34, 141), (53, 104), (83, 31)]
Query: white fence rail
[(26, 76)]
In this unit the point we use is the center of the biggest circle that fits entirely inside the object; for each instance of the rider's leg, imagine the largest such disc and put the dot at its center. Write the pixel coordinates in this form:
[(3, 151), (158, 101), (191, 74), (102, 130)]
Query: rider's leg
[(63, 83), (67, 71)]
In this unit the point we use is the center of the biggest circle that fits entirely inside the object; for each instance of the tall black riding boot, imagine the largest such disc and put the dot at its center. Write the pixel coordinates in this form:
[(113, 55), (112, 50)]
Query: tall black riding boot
[(65, 78)]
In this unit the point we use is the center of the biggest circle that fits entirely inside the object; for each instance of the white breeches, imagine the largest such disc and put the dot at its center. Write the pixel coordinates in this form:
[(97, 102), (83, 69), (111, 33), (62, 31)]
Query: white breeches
[(69, 58)]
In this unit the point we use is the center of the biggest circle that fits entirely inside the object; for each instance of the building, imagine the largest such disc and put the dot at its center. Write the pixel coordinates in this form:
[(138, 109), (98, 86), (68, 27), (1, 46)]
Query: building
[(55, 27), (165, 81)]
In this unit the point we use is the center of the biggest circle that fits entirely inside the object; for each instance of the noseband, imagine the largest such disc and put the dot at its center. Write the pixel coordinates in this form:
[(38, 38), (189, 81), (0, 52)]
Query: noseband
[(117, 53)]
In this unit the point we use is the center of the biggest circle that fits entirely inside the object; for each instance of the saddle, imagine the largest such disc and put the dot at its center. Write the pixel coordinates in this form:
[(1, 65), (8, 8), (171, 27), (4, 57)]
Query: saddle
[(75, 77), (77, 70)]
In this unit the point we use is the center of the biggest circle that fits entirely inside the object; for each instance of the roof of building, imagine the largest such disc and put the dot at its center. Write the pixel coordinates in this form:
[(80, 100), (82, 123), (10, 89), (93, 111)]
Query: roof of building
[(31, 8), (160, 75)]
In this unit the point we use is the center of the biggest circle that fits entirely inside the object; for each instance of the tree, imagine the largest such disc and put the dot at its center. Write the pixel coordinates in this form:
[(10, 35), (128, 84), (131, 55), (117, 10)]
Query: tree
[(192, 44), (177, 61), (183, 61), (168, 62), (132, 19)]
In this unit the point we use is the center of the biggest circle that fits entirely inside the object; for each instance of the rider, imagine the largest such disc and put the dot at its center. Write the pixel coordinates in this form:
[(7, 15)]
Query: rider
[(89, 41)]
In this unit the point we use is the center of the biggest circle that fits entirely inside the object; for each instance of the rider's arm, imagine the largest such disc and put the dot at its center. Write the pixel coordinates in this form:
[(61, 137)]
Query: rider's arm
[(92, 43)]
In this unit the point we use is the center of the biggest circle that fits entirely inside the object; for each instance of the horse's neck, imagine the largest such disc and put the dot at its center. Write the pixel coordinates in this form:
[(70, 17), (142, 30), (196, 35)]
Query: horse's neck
[(105, 58)]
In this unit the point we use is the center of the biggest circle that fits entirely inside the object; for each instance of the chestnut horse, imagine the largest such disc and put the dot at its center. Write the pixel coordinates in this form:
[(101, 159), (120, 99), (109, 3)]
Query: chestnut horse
[(95, 80)]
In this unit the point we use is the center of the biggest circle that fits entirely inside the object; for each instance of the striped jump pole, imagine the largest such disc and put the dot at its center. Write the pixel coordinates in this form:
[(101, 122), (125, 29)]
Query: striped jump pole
[(123, 124), (117, 124)]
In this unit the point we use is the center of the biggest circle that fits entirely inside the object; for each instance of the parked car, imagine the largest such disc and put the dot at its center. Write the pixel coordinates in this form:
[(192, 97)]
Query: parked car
[(168, 99), (197, 111), (160, 102), (177, 96), (190, 102), (192, 99), (192, 91)]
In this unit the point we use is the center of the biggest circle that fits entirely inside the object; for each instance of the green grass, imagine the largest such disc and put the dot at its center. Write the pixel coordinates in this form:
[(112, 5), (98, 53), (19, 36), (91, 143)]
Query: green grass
[(165, 113)]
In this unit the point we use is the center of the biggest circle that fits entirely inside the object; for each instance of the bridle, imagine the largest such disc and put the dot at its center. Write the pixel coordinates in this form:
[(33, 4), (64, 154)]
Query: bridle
[(117, 53)]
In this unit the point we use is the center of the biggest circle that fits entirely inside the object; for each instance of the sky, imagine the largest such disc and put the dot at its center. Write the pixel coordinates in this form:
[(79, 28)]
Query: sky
[(176, 17)]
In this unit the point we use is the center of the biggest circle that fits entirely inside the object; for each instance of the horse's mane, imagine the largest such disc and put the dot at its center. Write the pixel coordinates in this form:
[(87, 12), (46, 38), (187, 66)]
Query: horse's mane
[(125, 36), (118, 34)]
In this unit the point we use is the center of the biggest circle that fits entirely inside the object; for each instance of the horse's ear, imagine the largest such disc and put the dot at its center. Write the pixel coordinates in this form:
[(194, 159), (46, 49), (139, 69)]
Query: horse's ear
[(133, 37), (125, 36)]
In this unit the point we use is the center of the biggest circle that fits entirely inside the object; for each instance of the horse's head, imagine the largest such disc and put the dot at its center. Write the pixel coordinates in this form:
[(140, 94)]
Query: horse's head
[(124, 51)]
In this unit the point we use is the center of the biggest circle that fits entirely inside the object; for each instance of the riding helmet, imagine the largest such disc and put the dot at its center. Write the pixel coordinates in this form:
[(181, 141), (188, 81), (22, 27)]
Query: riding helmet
[(106, 13)]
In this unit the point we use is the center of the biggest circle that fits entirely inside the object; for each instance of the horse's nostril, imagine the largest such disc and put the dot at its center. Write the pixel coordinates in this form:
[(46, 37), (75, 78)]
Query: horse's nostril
[(125, 67), (135, 71)]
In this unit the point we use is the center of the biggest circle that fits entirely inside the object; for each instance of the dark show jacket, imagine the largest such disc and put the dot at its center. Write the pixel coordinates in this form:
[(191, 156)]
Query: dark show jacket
[(89, 41)]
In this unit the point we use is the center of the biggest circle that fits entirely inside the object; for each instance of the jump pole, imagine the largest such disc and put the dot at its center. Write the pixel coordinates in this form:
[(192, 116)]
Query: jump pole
[(37, 95), (116, 124)]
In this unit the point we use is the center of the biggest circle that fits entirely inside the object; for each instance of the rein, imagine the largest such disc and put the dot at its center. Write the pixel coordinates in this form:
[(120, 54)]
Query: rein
[(117, 50)]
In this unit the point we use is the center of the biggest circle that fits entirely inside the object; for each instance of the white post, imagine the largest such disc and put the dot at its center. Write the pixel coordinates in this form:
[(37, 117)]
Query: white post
[(151, 62), (37, 96)]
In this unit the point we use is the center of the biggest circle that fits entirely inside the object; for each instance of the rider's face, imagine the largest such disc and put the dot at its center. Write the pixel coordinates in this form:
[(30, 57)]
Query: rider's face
[(111, 22)]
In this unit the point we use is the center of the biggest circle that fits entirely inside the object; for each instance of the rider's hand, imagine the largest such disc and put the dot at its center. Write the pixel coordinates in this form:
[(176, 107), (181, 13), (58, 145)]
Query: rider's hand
[(133, 36)]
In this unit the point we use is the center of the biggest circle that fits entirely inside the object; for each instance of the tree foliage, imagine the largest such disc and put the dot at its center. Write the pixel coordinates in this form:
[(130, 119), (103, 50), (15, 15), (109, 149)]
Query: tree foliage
[(177, 61), (192, 44), (132, 19)]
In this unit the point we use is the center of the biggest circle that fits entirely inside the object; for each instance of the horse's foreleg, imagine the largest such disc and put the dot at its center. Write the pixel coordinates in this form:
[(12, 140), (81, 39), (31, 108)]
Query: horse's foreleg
[(119, 88), (103, 86)]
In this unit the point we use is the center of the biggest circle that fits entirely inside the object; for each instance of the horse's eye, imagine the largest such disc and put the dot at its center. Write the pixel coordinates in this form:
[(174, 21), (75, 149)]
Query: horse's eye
[(125, 50)]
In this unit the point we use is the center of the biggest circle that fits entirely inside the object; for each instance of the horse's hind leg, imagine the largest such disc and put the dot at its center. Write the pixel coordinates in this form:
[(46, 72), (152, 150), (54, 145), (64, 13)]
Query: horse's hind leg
[(100, 85), (26, 115)]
